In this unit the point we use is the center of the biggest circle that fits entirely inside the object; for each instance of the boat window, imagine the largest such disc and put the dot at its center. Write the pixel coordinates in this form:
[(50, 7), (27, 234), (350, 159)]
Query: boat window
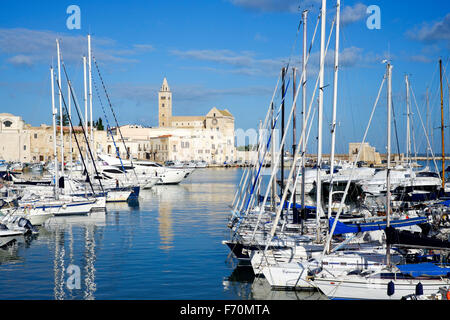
[(112, 171), (354, 272), (427, 174), (148, 164)]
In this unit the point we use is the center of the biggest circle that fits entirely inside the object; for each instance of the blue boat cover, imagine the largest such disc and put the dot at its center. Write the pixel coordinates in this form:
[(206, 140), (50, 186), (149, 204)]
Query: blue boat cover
[(297, 205), (286, 203), (424, 269), (342, 228)]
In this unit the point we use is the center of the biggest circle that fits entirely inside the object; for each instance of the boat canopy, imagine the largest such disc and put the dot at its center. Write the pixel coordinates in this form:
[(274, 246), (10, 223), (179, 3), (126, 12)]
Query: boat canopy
[(342, 228), (414, 240), (424, 269)]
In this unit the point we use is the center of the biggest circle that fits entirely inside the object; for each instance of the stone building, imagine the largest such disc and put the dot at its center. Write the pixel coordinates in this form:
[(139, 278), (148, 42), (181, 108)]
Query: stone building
[(14, 138), (22, 142), (368, 153), (41, 142), (183, 138)]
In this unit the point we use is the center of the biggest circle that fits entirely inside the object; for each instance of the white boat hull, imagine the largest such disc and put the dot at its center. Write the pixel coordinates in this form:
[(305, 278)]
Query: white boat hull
[(375, 288)]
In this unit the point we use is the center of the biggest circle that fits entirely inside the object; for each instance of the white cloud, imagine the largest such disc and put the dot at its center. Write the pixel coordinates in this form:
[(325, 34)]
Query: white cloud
[(291, 6), (353, 14), (21, 60), (247, 63), (420, 58), (268, 5), (28, 47), (432, 32), (260, 37), (145, 94)]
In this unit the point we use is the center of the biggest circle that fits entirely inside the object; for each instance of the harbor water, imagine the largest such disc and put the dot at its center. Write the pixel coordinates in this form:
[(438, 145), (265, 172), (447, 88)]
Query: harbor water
[(166, 246)]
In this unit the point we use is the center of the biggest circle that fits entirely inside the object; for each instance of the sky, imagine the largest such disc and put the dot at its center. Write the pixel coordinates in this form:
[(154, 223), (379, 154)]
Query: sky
[(228, 54)]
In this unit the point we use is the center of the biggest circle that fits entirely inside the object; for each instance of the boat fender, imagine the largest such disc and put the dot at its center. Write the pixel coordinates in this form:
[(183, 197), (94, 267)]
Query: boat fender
[(27, 208), (64, 206), (390, 288), (448, 295), (419, 289)]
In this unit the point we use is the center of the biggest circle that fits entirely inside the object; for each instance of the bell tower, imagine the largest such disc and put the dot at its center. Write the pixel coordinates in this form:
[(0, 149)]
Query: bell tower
[(165, 105)]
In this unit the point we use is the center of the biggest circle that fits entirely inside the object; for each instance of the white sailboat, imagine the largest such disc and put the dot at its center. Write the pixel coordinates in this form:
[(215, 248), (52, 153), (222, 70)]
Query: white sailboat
[(389, 282)]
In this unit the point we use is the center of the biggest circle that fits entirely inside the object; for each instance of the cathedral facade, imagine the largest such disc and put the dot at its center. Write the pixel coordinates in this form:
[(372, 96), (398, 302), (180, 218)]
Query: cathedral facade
[(183, 138)]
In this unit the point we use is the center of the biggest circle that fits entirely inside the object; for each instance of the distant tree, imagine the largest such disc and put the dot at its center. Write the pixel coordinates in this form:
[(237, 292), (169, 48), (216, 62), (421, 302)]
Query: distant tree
[(99, 125), (65, 119), (245, 148)]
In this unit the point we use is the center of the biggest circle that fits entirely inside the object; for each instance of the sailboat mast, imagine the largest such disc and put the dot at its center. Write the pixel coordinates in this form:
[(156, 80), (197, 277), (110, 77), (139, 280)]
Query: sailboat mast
[(428, 123), (408, 130), (61, 119), (283, 93), (335, 81), (388, 169), (320, 118), (85, 108), (55, 151), (333, 123), (305, 21), (442, 125), (70, 127), (272, 161), (294, 140), (91, 133)]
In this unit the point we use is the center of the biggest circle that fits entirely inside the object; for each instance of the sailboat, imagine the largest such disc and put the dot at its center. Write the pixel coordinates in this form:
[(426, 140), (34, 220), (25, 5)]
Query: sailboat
[(391, 281)]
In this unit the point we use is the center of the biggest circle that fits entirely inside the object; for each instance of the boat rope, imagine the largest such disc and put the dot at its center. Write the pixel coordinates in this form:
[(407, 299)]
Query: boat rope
[(114, 115), (74, 133), (82, 128), (297, 149), (108, 128), (341, 205), (426, 133)]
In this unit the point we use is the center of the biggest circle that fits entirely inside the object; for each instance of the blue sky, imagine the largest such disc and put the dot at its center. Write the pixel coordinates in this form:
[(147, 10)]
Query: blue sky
[(226, 53)]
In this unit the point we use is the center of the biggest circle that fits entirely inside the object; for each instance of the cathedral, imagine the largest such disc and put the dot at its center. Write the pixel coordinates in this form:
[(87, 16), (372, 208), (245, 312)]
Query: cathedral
[(220, 120), (184, 138)]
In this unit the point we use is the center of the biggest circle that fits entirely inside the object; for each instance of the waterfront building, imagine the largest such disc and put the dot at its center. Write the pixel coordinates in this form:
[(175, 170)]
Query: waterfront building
[(368, 153), (183, 138), (14, 138), (41, 142), (22, 142)]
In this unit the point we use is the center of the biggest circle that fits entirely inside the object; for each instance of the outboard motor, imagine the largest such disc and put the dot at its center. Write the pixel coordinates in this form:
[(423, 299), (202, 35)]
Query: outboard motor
[(26, 224)]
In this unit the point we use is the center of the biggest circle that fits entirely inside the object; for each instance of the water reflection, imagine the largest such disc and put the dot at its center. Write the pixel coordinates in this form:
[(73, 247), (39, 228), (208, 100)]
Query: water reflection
[(165, 246), (59, 233), (243, 283), (165, 225), (9, 253)]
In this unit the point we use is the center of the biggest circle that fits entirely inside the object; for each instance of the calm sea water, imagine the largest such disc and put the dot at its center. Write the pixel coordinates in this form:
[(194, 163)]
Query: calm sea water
[(168, 246)]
